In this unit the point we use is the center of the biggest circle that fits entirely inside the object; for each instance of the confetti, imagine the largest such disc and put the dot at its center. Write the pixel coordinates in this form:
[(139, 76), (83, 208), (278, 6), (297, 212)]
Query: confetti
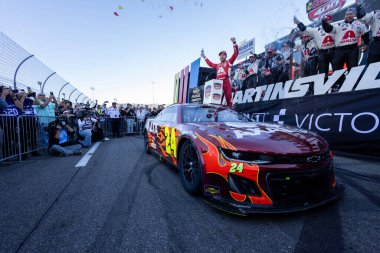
[(116, 14), (120, 7)]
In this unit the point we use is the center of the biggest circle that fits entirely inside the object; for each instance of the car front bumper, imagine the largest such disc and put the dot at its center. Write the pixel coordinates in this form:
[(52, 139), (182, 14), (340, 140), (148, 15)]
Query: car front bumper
[(246, 209)]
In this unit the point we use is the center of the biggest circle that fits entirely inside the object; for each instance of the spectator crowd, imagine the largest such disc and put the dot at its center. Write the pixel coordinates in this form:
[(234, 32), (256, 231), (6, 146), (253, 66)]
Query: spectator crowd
[(334, 45), (30, 122)]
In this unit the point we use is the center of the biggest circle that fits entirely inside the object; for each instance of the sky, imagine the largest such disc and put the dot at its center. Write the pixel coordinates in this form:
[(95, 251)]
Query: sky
[(124, 57)]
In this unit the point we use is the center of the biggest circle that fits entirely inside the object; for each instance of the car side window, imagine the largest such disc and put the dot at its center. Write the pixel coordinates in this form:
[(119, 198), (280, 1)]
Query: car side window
[(169, 115), (159, 116)]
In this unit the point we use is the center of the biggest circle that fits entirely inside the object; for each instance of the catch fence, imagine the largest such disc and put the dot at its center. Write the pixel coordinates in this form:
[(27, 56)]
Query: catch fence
[(20, 69)]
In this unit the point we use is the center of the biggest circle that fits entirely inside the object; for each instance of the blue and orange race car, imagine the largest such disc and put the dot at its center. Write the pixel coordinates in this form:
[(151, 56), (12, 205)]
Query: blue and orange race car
[(242, 166)]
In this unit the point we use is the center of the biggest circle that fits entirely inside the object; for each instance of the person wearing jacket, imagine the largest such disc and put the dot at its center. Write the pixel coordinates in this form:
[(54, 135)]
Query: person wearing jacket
[(325, 42), (346, 35), (372, 19), (224, 70)]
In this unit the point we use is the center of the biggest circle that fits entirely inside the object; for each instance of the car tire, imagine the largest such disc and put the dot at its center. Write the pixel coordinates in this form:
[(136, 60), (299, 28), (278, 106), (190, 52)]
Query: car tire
[(190, 169), (146, 144)]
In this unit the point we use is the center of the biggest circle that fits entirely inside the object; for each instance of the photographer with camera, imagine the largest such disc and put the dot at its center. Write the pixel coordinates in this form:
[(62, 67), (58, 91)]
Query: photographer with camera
[(130, 114), (85, 125), (45, 110), (62, 139)]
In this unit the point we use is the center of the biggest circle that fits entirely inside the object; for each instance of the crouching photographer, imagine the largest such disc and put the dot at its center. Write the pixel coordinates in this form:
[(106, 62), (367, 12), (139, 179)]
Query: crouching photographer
[(62, 141), (85, 125)]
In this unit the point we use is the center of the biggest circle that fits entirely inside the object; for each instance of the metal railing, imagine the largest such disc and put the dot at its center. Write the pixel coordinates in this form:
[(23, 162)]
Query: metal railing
[(127, 125), (26, 134), (20, 69)]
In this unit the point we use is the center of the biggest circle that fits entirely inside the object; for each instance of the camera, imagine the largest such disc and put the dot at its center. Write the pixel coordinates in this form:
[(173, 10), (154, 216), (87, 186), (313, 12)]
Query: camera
[(62, 122)]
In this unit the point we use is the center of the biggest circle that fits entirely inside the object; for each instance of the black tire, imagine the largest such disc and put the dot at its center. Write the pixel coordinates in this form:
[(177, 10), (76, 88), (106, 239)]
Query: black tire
[(146, 146), (190, 169)]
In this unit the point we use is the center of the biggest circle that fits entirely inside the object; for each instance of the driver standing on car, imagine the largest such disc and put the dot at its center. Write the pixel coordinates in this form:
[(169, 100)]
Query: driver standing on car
[(224, 70)]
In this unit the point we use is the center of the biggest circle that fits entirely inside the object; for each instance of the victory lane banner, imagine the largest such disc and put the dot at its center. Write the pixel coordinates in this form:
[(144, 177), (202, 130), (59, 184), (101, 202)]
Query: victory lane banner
[(349, 121)]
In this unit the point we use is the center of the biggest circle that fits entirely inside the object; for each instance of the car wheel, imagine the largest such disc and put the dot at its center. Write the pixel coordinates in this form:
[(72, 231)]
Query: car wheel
[(146, 144), (190, 169)]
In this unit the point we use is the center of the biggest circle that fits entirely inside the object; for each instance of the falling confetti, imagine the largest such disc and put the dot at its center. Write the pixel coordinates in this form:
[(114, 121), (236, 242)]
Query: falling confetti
[(163, 5)]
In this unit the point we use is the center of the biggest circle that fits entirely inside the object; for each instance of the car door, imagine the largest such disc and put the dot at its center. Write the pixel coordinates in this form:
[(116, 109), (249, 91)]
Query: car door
[(167, 134)]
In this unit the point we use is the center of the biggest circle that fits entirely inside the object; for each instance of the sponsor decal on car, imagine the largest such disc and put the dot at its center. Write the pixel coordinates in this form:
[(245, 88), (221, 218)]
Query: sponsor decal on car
[(211, 190), (217, 86), (216, 96), (208, 91)]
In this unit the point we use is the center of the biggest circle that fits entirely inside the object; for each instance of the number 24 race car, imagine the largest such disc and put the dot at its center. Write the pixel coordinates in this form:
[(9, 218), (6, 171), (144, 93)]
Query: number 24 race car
[(241, 166)]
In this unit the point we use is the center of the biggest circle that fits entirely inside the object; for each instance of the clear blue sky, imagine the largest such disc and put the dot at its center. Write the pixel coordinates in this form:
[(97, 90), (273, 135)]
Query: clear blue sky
[(120, 56)]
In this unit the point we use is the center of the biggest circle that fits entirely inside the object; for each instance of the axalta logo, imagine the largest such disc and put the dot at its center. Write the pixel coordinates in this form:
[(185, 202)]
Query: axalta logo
[(328, 41), (349, 37), (221, 71), (318, 8)]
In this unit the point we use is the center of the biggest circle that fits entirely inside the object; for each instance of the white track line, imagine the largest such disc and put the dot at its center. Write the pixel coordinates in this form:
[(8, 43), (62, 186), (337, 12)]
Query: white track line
[(86, 158)]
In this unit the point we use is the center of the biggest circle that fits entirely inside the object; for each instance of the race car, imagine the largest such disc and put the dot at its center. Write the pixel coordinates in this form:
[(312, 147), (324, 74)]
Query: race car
[(242, 166)]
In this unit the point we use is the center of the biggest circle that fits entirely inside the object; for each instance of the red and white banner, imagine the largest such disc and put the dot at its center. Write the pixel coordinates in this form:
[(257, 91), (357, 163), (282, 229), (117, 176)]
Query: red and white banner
[(316, 9)]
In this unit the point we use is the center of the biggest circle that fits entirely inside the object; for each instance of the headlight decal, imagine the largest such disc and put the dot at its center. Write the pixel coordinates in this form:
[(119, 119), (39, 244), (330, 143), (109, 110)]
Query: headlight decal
[(238, 197), (215, 163)]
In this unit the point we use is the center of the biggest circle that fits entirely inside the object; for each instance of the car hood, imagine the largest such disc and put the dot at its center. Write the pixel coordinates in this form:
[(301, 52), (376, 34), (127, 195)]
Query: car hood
[(263, 138)]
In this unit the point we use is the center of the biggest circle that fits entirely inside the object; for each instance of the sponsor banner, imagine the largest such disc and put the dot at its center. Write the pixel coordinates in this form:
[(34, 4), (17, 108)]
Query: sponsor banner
[(246, 48), (359, 78), (349, 121), (316, 9)]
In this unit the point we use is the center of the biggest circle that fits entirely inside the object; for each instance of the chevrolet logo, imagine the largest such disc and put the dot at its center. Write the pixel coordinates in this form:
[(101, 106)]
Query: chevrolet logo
[(313, 159)]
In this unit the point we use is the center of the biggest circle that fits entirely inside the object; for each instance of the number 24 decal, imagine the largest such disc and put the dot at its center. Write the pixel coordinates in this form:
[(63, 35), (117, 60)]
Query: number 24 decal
[(237, 167), (171, 142)]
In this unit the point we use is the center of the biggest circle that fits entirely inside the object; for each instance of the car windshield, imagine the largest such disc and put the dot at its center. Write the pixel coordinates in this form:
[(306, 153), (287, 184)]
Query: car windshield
[(205, 113)]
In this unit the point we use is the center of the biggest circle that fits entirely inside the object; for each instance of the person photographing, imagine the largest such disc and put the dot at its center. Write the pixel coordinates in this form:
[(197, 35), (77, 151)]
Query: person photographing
[(62, 139), (85, 125), (223, 70)]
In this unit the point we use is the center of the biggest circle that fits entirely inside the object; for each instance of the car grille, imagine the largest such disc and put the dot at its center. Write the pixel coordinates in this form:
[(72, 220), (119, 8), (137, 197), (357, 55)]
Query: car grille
[(274, 159), (295, 188), (302, 159)]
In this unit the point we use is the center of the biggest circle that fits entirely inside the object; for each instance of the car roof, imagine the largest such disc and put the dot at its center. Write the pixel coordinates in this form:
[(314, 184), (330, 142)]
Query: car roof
[(197, 105)]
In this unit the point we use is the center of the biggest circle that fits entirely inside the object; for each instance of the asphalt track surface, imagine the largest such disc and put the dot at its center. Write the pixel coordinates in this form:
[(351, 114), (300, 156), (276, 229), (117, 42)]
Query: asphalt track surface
[(127, 201)]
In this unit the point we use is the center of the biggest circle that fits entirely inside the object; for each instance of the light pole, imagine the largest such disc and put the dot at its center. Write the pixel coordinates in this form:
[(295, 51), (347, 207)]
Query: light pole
[(93, 89), (153, 91), (40, 84)]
